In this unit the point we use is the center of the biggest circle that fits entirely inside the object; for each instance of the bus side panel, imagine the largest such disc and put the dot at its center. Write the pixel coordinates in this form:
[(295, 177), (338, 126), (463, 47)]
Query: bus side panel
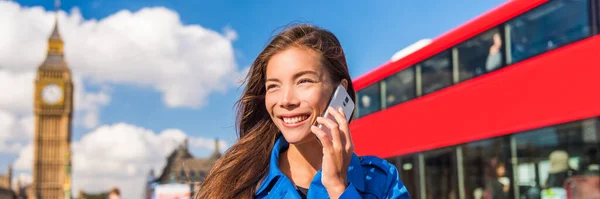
[(559, 86)]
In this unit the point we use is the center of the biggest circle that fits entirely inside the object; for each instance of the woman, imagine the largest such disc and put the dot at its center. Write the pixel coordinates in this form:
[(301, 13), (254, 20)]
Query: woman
[(278, 154)]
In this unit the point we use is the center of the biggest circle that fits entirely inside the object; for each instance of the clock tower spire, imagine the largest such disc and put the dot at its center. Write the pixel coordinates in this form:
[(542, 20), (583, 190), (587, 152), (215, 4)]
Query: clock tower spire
[(55, 56), (53, 105)]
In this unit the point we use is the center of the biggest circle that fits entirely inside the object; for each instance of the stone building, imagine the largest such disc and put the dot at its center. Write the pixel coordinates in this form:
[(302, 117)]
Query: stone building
[(53, 105), (183, 168), (6, 185)]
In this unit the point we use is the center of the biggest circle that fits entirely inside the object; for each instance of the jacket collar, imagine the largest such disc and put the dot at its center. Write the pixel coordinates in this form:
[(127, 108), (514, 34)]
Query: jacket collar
[(355, 173)]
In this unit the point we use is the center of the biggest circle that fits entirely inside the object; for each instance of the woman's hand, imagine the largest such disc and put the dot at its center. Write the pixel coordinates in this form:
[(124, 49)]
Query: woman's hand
[(337, 152)]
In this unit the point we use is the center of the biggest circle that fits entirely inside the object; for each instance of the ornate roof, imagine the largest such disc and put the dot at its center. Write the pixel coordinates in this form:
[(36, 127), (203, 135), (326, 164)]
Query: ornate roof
[(55, 57), (181, 161), (55, 34)]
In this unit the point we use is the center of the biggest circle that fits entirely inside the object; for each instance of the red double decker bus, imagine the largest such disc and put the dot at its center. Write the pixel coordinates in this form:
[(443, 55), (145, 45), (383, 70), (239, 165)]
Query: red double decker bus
[(504, 106)]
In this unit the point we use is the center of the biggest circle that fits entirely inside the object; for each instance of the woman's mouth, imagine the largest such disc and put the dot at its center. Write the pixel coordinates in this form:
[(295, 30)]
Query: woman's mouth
[(296, 120)]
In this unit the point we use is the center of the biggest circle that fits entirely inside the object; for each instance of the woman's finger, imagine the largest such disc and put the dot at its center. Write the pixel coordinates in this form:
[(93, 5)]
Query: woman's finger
[(334, 131), (342, 124), (341, 111), (349, 145), (323, 138), (340, 118)]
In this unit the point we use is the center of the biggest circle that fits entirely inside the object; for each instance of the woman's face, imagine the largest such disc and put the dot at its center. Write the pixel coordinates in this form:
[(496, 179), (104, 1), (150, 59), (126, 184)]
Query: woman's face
[(297, 84)]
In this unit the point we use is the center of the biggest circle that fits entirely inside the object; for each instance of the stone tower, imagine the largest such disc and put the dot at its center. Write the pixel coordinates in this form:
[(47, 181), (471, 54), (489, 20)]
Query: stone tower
[(53, 105)]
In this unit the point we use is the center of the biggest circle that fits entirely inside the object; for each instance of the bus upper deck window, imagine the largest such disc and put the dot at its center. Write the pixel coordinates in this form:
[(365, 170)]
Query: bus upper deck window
[(400, 87), (369, 100), (547, 27), (436, 73), (480, 55)]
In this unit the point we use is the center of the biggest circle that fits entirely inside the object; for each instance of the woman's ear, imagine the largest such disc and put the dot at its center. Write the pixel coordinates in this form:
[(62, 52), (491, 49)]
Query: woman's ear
[(345, 83)]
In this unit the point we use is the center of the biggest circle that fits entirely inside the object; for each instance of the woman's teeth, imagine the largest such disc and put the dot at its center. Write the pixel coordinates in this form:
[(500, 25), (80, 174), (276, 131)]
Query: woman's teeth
[(293, 120)]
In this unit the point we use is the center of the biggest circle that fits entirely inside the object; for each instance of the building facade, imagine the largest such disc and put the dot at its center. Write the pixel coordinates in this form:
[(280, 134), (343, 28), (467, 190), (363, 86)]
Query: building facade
[(182, 168), (53, 105), (6, 185)]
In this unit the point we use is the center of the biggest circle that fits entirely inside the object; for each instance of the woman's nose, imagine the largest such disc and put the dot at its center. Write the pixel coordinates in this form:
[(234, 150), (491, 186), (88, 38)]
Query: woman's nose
[(289, 99)]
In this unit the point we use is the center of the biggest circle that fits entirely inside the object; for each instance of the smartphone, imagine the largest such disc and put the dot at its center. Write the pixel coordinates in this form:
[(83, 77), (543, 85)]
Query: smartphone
[(339, 99)]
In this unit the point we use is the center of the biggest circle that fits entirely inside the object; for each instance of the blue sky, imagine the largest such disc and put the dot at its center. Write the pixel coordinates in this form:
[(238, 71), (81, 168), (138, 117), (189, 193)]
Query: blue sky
[(369, 32)]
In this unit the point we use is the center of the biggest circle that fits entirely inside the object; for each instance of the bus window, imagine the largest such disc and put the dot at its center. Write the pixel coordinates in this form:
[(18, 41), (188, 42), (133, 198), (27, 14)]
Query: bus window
[(369, 100), (436, 73), (486, 168), (441, 179), (549, 158), (400, 87), (409, 174), (480, 54), (408, 171), (547, 27)]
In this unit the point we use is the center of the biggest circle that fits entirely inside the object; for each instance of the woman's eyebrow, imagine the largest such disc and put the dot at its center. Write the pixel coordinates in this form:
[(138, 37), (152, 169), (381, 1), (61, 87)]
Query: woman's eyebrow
[(297, 75), (305, 72), (272, 80)]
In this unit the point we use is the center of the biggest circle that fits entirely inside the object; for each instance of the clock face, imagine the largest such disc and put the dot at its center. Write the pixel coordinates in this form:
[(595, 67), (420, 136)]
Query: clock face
[(52, 94)]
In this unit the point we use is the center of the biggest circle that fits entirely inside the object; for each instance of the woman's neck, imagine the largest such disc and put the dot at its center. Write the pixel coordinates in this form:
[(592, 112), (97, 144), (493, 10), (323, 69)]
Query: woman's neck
[(301, 162)]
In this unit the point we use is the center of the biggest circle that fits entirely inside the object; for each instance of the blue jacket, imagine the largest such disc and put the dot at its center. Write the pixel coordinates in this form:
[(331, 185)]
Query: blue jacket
[(369, 177)]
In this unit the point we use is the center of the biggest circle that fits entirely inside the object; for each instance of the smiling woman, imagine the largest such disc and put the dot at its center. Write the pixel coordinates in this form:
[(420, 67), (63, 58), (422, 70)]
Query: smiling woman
[(296, 84), (278, 154)]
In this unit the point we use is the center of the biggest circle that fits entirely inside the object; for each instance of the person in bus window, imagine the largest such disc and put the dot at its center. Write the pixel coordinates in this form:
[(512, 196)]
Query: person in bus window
[(366, 101), (496, 186), (366, 105), (391, 99), (278, 155), (586, 183), (559, 169), (494, 59)]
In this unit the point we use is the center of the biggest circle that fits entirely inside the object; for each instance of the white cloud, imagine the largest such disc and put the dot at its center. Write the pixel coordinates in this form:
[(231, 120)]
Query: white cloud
[(90, 120), (21, 180), (25, 160), (150, 47), (16, 88), (119, 155), (88, 104), (7, 125), (238, 78), (26, 124), (229, 33), (11, 147), (18, 100), (13, 132), (207, 143)]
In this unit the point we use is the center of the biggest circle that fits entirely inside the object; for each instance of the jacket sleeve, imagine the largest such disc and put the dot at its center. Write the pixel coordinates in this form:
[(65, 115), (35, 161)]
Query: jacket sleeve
[(350, 193), (396, 189)]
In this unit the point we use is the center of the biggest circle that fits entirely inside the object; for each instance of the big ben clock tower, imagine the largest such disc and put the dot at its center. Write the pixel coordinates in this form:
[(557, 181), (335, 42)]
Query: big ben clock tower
[(53, 105)]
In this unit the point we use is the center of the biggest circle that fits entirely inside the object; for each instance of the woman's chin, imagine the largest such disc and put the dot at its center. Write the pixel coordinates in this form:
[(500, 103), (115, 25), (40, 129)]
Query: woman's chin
[(295, 137)]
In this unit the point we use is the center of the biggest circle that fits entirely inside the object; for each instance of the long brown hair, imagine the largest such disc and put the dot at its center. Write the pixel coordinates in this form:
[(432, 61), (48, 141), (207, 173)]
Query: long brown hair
[(239, 171)]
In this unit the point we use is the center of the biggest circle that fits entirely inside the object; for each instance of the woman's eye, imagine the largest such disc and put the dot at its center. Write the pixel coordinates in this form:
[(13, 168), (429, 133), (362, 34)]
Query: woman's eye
[(271, 86), (306, 81)]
